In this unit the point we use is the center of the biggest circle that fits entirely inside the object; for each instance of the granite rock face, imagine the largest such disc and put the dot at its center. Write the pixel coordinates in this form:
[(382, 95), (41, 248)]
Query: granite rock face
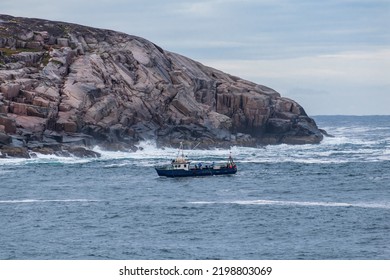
[(65, 84)]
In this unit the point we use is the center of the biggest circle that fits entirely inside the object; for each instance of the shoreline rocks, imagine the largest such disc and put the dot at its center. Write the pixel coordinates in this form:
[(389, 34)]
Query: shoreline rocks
[(71, 85)]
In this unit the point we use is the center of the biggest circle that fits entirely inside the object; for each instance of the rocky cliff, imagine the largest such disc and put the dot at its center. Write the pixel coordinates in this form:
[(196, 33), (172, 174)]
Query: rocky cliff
[(63, 85)]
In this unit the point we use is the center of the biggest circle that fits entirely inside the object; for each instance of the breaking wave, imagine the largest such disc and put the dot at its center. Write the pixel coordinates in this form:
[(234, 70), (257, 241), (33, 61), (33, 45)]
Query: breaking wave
[(355, 140)]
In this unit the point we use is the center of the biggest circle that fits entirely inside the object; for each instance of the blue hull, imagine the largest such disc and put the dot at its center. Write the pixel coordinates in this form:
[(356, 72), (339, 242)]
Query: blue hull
[(195, 172)]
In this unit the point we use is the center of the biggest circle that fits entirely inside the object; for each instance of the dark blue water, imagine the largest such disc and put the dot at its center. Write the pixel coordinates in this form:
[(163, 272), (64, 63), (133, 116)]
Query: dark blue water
[(327, 201)]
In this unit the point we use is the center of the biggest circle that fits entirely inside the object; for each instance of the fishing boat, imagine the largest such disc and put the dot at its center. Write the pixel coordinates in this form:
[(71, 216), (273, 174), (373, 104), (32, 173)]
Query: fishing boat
[(181, 166)]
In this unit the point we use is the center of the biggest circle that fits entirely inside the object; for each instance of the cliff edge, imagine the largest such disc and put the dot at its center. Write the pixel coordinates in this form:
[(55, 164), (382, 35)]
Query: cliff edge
[(63, 85)]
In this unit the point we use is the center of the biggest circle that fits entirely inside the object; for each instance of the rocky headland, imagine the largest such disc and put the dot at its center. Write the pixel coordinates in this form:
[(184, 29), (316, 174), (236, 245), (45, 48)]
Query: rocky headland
[(65, 87)]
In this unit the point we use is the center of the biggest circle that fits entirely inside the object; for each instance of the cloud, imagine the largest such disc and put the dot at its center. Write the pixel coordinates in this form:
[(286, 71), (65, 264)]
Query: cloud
[(354, 82), (357, 67), (198, 9)]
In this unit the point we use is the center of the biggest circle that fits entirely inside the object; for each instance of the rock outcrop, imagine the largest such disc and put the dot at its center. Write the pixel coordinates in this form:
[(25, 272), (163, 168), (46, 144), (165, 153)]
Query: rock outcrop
[(63, 84)]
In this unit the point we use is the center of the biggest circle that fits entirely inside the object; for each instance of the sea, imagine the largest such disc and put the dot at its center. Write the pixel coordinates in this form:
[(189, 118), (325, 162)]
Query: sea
[(286, 202)]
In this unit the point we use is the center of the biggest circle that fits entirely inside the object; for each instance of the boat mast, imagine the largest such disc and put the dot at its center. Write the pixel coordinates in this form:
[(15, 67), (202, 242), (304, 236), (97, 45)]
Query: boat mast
[(180, 150)]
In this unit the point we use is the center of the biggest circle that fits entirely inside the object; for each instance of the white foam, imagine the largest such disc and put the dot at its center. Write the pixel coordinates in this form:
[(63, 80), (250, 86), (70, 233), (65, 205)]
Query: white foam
[(47, 200), (41, 158), (107, 155), (299, 203), (115, 165), (340, 149), (146, 150), (12, 161)]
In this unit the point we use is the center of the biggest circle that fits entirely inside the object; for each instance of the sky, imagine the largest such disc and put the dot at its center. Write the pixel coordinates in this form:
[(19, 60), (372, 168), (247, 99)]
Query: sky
[(331, 56)]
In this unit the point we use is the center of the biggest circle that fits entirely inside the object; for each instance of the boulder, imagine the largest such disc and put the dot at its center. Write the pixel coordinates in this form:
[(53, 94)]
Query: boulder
[(8, 124), (10, 90), (5, 139), (81, 152), (19, 152)]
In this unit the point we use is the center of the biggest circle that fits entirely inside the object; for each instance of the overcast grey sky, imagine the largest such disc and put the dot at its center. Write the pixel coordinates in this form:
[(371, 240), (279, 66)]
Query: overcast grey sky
[(332, 56)]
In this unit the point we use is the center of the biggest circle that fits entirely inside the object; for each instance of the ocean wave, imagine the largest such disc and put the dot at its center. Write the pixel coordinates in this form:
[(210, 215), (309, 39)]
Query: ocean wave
[(12, 161), (44, 159), (146, 150), (349, 140), (340, 149), (117, 165), (83, 200), (333, 151), (299, 203)]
